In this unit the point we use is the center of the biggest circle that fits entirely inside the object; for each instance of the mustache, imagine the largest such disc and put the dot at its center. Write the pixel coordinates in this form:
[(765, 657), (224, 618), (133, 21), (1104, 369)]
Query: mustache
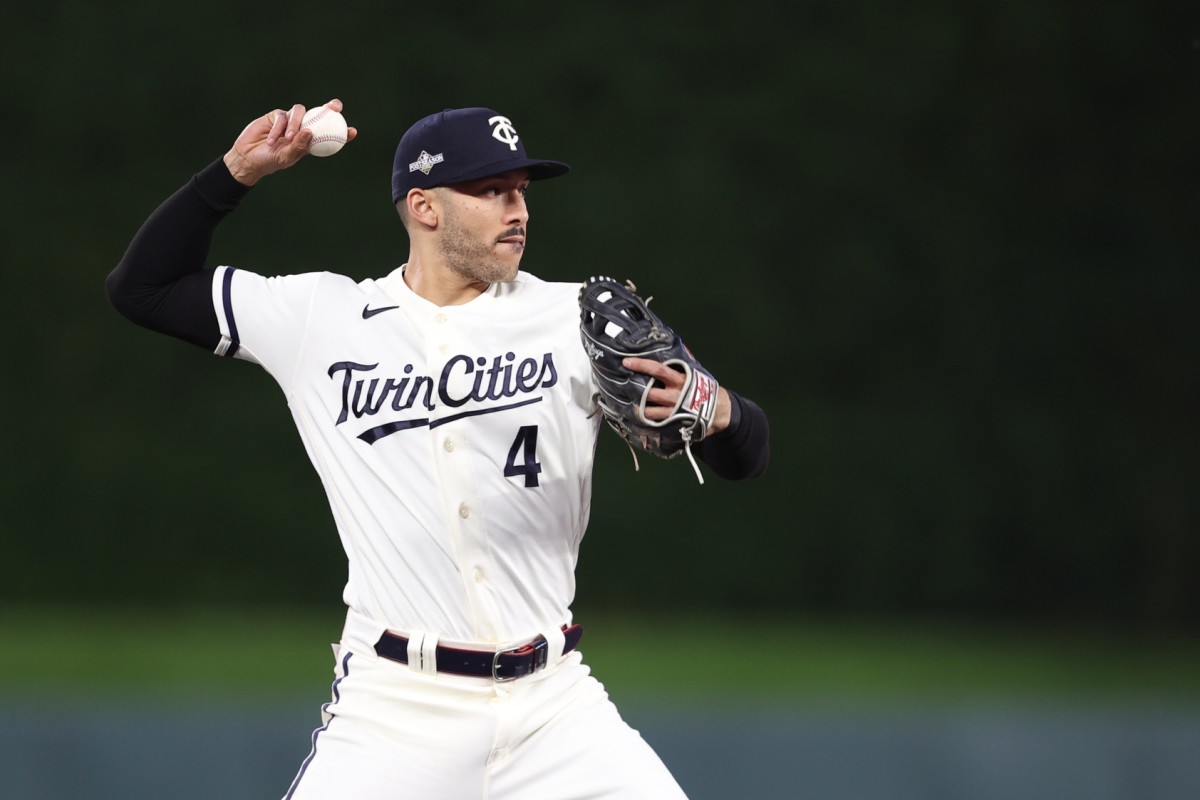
[(518, 231)]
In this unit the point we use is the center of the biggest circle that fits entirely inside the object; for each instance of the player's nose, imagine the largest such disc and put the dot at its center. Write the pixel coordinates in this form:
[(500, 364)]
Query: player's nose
[(518, 211)]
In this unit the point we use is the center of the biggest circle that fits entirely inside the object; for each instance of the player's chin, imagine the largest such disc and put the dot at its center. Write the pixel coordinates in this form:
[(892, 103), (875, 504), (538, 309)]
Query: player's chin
[(500, 272), (510, 261)]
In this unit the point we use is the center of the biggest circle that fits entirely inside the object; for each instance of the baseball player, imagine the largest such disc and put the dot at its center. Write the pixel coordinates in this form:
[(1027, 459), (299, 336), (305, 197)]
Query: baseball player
[(448, 408)]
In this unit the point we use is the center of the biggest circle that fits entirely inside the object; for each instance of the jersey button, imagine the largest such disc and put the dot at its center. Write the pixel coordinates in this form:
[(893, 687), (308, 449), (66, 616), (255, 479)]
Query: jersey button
[(448, 446), (479, 576), (440, 318), (464, 511)]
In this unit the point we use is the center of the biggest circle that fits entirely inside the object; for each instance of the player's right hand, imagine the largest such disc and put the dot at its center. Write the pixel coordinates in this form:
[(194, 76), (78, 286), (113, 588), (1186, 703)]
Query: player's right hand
[(272, 142)]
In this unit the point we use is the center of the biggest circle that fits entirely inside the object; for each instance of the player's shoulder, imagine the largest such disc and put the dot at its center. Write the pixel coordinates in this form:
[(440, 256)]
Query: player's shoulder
[(529, 286), (333, 285), (324, 278), (325, 292)]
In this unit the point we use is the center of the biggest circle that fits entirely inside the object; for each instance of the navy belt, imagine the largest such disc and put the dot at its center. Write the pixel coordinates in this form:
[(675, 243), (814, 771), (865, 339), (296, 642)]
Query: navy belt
[(503, 665)]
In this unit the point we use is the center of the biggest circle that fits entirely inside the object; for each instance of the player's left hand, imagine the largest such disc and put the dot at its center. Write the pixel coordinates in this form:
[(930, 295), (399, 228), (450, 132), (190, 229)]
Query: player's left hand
[(661, 402)]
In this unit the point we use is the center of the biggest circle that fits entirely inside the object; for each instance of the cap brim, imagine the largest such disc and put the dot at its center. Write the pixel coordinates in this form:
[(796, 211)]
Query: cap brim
[(547, 169), (538, 170)]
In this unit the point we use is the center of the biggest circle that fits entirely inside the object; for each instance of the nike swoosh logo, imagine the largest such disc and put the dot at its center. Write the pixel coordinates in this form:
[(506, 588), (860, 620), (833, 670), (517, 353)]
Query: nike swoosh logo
[(369, 312)]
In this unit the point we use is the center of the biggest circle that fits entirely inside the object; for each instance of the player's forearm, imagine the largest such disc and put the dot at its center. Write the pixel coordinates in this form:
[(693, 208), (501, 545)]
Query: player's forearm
[(161, 282), (743, 449)]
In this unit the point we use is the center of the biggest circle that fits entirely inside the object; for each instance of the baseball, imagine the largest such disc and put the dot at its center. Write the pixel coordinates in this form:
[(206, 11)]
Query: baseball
[(328, 128)]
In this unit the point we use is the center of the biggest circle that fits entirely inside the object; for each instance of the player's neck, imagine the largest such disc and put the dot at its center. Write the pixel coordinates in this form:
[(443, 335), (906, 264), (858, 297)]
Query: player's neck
[(441, 286)]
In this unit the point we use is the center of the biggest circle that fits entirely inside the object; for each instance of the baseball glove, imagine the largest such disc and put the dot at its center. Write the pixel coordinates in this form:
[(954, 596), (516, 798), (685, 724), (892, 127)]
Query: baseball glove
[(615, 323)]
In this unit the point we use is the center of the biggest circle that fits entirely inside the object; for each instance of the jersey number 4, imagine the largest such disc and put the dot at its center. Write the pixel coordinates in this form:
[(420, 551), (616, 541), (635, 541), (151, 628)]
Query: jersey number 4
[(526, 445)]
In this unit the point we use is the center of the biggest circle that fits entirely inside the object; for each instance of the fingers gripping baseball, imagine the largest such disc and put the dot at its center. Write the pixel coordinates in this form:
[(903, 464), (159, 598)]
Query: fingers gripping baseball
[(270, 143), (273, 142)]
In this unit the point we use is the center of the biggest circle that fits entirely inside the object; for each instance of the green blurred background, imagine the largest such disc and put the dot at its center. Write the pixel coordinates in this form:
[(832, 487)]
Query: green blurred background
[(950, 248)]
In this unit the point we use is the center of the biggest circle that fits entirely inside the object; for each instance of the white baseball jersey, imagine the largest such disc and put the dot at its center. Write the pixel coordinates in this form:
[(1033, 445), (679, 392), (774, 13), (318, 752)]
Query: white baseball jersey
[(455, 443)]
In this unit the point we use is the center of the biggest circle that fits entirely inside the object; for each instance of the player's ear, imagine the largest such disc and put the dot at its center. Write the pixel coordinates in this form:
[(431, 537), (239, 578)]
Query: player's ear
[(422, 206)]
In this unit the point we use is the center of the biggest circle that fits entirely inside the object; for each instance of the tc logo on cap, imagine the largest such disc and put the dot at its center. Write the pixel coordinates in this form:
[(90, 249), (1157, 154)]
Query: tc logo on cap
[(504, 131)]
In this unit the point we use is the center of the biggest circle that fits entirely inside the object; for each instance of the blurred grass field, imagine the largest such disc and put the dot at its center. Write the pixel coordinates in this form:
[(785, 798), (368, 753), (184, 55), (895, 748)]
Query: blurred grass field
[(254, 654)]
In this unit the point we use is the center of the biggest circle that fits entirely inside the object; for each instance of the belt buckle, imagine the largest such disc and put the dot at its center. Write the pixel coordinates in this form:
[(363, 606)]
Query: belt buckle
[(538, 649)]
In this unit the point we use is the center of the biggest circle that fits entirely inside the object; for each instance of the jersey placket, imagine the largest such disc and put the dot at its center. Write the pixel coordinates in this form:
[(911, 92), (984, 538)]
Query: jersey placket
[(465, 520)]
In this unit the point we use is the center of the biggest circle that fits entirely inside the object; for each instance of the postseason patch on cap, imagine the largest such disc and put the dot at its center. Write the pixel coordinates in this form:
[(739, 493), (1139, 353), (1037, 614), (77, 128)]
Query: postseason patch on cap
[(425, 162)]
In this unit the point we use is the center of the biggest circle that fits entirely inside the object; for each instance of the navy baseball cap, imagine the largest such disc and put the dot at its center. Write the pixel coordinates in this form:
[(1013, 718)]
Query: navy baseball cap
[(462, 144)]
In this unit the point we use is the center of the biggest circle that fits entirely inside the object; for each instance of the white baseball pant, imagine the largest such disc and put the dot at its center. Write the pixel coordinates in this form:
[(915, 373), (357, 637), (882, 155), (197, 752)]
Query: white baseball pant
[(393, 732)]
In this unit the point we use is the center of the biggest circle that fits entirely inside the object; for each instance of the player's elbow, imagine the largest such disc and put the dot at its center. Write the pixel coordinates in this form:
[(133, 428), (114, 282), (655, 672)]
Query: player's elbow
[(121, 295)]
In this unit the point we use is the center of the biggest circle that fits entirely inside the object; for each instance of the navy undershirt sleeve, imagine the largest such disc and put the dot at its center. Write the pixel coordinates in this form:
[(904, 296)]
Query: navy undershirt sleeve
[(743, 449), (161, 282)]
